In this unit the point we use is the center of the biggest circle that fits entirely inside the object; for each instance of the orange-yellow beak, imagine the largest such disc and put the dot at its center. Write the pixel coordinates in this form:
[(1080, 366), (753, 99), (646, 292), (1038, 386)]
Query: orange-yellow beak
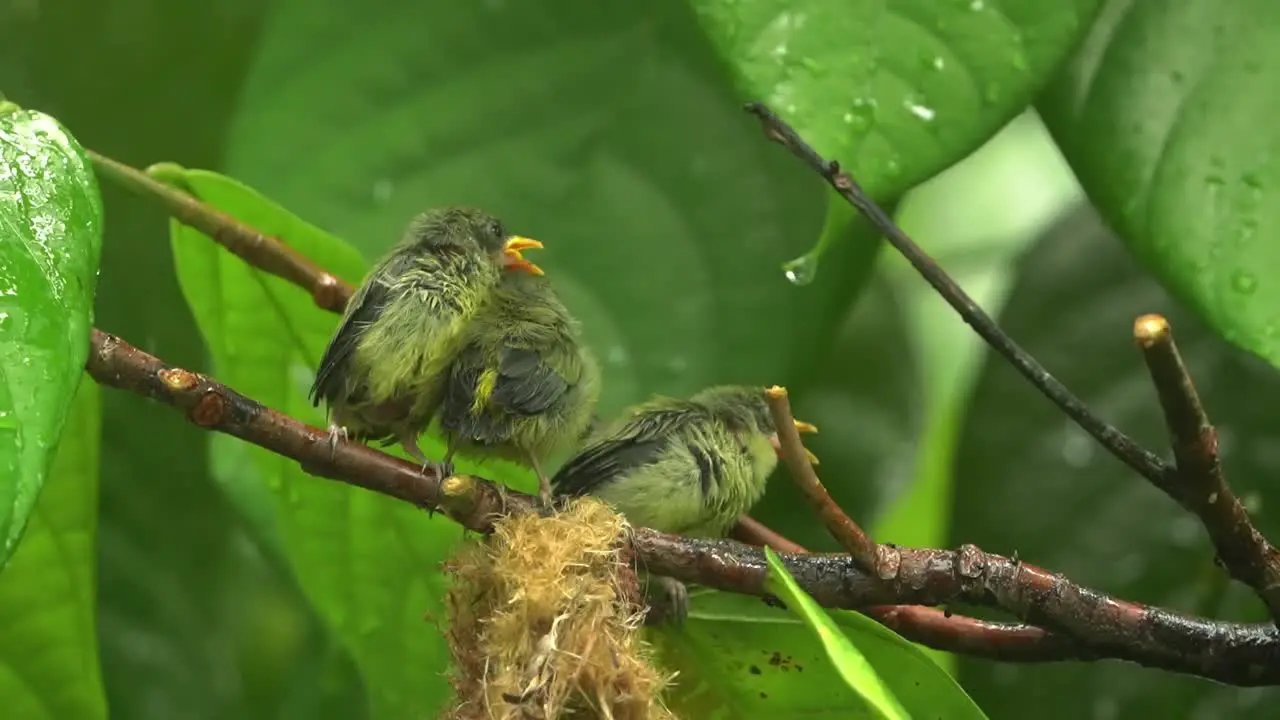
[(512, 257), (801, 427)]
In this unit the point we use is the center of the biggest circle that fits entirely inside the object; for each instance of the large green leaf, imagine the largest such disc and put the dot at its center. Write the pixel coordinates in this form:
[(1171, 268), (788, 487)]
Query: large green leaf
[(606, 131), (1029, 480), (370, 564), (48, 641), (50, 241), (176, 575), (742, 658), (1159, 114), (896, 91)]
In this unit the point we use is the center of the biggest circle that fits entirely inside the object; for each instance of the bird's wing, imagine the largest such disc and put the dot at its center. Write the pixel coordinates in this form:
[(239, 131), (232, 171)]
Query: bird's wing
[(483, 396), (640, 441), (362, 310)]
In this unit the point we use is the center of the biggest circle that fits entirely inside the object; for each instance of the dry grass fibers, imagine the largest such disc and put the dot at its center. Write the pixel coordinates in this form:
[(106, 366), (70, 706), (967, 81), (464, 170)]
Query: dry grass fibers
[(542, 622)]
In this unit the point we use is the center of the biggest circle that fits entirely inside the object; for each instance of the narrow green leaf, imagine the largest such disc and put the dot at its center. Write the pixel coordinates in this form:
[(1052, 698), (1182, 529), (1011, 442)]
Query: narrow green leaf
[(1159, 113), (50, 240), (852, 666), (368, 563), (741, 658), (48, 640), (896, 91)]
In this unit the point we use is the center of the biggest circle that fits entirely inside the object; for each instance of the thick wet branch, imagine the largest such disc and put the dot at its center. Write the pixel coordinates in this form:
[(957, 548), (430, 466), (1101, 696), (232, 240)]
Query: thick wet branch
[(1085, 624)]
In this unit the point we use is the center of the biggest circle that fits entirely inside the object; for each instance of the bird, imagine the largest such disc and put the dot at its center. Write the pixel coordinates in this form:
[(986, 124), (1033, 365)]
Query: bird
[(381, 375), (525, 385), (684, 466)]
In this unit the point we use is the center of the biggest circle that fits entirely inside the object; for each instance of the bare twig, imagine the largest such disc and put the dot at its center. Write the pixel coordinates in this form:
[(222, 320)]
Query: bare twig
[(267, 253), (872, 557), (753, 532), (1116, 442), (1084, 624), (1199, 484)]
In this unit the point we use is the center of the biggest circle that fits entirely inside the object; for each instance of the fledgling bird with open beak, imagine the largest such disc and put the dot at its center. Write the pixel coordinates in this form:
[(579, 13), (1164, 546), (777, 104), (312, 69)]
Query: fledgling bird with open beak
[(688, 467), (382, 374), (524, 385)]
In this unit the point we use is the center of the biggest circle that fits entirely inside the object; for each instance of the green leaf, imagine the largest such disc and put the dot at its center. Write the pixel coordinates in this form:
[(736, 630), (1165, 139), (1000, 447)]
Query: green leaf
[(50, 240), (367, 562), (606, 131), (742, 658), (1158, 115), (854, 669), (48, 641), (896, 91), (1029, 480)]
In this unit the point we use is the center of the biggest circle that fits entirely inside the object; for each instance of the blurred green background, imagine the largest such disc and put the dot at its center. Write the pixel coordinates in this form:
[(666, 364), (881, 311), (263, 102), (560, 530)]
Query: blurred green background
[(615, 136)]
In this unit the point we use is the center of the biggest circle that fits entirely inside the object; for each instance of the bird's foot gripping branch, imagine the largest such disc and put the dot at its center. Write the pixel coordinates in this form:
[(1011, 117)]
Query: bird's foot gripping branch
[(1056, 619)]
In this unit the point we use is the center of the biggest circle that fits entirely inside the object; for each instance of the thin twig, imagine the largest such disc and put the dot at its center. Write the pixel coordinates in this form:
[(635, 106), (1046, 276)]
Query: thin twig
[(753, 532), (1116, 442), (1199, 484), (261, 251), (1086, 624), (869, 555)]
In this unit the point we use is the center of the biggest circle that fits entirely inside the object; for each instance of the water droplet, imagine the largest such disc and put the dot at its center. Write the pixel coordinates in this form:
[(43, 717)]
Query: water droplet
[(939, 63), (1214, 180), (1252, 180), (802, 270), (382, 191), (893, 167), (977, 5), (923, 112), (1244, 282), (862, 115), (1248, 229)]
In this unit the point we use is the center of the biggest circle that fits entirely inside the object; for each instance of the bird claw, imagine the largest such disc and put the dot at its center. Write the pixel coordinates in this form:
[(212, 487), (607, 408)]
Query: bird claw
[(670, 599), (337, 433)]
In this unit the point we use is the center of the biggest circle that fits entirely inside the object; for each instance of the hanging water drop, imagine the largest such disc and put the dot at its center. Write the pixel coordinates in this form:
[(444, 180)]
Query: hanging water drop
[(802, 270)]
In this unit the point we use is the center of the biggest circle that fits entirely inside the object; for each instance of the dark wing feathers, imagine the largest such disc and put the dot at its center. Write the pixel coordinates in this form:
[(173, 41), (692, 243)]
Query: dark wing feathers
[(526, 385), (602, 462), (334, 364), (639, 442)]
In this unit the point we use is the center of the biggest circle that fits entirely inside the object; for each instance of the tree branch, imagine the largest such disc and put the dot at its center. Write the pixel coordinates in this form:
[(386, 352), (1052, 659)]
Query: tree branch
[(261, 251), (1199, 484), (1085, 624), (869, 555), (1117, 443)]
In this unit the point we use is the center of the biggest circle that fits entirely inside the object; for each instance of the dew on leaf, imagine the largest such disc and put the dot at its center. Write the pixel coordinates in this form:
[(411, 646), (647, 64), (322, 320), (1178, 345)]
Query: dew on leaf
[(802, 270)]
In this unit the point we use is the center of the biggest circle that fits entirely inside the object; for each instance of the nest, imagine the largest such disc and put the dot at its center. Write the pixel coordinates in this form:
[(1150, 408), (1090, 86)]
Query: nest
[(545, 623)]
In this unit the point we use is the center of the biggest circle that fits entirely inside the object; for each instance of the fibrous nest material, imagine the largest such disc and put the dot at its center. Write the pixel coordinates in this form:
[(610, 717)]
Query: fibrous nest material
[(544, 622)]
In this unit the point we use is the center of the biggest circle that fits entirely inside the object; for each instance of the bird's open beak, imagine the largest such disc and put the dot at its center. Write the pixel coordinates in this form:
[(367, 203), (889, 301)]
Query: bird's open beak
[(777, 446), (512, 257)]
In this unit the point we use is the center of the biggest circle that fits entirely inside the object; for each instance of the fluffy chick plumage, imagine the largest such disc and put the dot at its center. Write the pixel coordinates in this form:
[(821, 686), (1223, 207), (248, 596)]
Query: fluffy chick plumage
[(382, 372), (525, 385)]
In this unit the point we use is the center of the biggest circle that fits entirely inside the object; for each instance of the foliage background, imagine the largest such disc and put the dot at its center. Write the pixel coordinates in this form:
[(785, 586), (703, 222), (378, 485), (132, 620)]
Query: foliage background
[(616, 136)]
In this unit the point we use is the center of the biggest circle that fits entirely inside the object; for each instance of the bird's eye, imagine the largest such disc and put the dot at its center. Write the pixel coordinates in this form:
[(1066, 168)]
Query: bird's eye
[(496, 230)]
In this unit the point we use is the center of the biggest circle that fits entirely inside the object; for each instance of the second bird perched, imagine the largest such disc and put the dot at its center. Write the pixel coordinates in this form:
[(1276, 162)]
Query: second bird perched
[(689, 467), (382, 372), (524, 385)]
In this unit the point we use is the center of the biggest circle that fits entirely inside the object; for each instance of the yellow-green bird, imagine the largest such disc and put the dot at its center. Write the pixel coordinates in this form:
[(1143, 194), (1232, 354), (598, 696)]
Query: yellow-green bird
[(382, 372), (689, 467), (524, 386)]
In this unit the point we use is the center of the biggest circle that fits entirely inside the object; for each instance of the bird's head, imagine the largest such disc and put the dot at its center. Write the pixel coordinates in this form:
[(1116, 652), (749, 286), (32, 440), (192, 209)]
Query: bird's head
[(744, 406), (474, 230)]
